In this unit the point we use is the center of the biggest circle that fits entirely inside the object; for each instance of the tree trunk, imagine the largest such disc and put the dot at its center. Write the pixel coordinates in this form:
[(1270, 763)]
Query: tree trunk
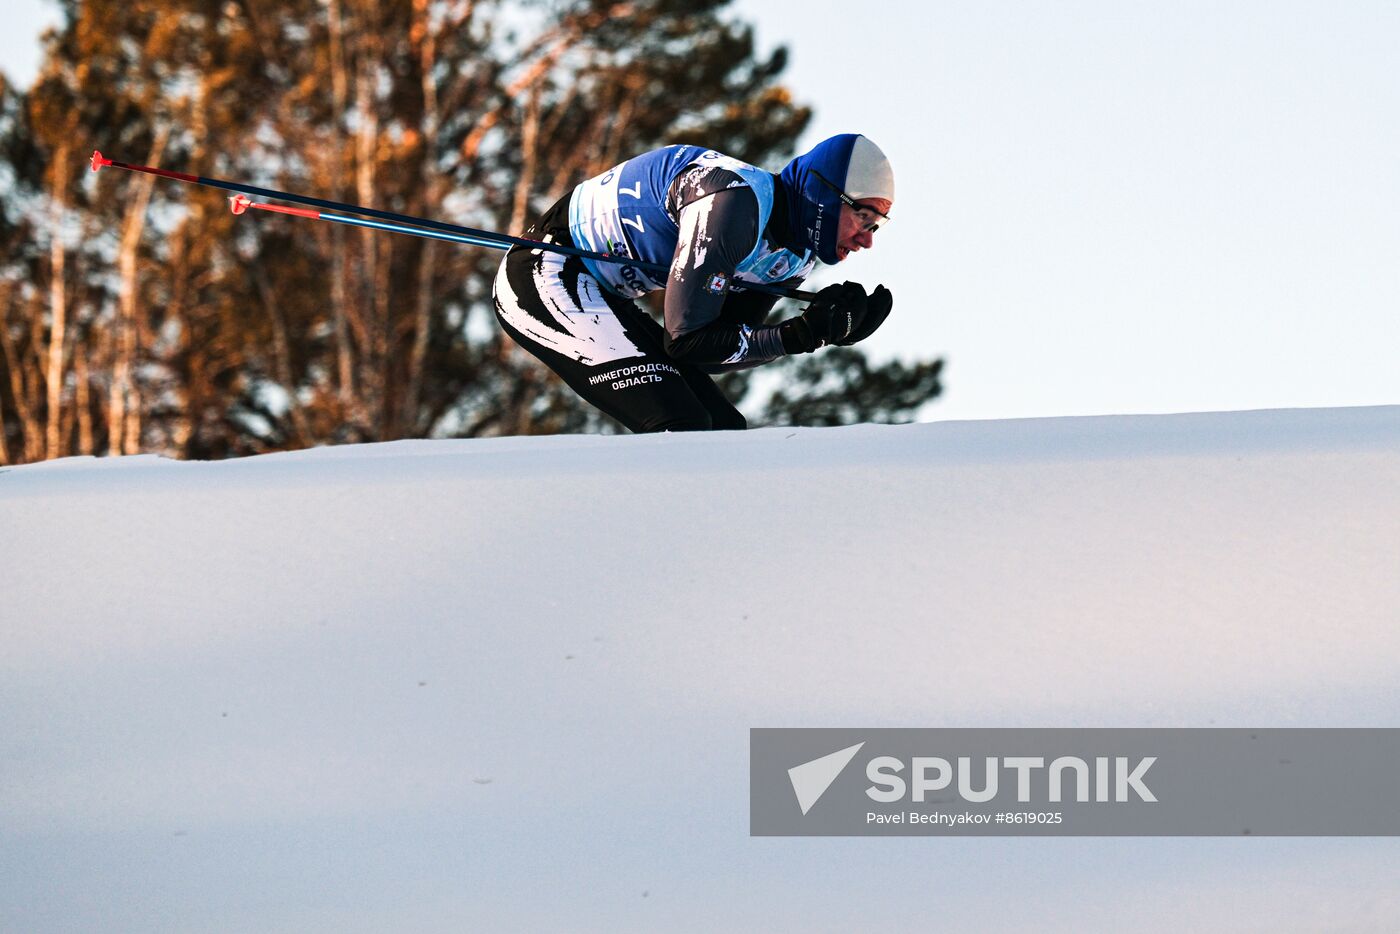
[(529, 158), (431, 186), (124, 409), (373, 388), (345, 363), (83, 401), (23, 391), (58, 305), (282, 358)]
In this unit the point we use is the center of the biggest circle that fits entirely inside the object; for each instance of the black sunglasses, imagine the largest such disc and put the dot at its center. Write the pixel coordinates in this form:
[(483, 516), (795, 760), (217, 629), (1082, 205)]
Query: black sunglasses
[(864, 211)]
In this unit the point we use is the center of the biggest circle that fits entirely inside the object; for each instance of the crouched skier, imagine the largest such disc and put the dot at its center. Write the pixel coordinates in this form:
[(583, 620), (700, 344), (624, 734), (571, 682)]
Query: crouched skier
[(717, 223)]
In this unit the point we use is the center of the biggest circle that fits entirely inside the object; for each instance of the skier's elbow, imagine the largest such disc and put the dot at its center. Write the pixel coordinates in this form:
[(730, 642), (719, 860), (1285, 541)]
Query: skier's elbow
[(680, 348)]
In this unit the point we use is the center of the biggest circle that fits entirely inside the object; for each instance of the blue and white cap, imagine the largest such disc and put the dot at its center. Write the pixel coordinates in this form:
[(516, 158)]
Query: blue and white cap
[(853, 164)]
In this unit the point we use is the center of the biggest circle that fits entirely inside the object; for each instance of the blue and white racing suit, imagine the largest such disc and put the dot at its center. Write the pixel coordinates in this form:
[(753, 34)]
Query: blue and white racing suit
[(713, 223)]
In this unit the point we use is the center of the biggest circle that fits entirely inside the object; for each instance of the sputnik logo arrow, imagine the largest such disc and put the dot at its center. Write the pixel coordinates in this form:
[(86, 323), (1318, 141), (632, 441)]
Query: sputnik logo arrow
[(810, 780)]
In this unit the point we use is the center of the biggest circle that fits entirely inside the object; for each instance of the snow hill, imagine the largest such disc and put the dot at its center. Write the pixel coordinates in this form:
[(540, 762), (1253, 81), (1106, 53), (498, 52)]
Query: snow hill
[(506, 685)]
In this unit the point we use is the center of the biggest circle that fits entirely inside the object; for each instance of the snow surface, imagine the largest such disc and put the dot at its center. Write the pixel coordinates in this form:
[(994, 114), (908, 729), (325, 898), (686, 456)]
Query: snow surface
[(507, 684)]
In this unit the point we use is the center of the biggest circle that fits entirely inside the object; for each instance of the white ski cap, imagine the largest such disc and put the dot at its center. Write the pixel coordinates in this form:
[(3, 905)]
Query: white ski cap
[(869, 174)]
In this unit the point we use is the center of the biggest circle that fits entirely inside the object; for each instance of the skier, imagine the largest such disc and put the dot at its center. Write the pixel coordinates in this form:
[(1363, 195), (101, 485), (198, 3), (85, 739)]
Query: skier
[(717, 223)]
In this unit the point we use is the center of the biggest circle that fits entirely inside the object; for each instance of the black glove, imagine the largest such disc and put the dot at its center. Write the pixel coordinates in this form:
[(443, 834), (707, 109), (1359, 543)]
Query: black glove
[(836, 313), (877, 309)]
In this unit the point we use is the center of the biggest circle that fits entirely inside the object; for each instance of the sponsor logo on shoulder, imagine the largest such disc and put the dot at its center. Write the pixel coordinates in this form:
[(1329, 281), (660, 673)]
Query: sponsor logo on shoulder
[(718, 283)]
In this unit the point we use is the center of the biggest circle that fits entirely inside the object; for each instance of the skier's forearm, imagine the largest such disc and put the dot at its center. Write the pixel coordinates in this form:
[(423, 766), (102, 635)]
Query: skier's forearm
[(752, 308), (722, 344)]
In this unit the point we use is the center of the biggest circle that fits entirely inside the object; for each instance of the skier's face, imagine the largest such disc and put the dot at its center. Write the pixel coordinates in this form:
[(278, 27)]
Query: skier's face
[(853, 233)]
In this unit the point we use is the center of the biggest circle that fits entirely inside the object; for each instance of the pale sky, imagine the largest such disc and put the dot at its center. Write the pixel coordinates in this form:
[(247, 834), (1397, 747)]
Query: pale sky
[(1114, 206), (1117, 206)]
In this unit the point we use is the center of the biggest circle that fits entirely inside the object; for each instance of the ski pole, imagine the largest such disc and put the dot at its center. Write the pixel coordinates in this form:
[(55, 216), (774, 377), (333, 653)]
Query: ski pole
[(469, 235), (241, 203)]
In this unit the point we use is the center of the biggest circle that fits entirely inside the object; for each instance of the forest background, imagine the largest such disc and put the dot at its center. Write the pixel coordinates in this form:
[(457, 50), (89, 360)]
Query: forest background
[(140, 315)]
